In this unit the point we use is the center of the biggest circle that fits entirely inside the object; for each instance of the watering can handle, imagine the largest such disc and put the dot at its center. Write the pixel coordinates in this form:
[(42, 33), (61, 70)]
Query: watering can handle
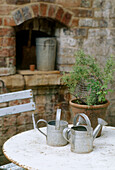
[(41, 120), (84, 116), (58, 115), (66, 133)]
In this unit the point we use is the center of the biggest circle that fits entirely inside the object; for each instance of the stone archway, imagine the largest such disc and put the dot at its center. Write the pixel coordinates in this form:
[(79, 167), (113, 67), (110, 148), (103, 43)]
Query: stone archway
[(52, 11), (36, 10)]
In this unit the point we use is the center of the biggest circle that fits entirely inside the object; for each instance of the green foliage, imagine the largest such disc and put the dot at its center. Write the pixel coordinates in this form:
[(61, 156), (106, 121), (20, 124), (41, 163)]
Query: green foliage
[(88, 72)]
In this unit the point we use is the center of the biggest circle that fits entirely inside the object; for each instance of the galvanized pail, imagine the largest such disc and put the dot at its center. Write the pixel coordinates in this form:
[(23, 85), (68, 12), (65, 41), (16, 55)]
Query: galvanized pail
[(46, 53)]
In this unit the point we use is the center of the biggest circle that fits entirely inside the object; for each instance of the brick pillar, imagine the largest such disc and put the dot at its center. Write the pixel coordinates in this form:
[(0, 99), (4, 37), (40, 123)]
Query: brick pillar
[(7, 51)]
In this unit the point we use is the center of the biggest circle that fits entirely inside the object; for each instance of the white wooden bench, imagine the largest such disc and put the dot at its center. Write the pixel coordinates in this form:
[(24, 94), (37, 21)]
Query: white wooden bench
[(7, 97), (25, 107)]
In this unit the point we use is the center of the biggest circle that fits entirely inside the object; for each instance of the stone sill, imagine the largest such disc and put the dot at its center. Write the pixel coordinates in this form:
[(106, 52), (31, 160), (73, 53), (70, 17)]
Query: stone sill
[(28, 72), (31, 79)]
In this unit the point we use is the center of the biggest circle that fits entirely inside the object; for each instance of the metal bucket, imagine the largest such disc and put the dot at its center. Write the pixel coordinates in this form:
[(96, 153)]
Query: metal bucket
[(46, 53)]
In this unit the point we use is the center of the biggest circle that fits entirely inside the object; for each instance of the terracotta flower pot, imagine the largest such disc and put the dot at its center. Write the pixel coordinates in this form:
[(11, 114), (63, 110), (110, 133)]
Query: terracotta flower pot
[(32, 67), (93, 112)]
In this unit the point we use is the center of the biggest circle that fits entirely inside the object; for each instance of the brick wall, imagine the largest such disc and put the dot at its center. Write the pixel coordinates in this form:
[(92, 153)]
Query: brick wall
[(84, 23), (49, 94)]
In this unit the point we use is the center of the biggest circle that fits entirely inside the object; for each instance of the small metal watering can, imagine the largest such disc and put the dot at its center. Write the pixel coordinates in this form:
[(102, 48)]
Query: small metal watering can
[(81, 137), (55, 129)]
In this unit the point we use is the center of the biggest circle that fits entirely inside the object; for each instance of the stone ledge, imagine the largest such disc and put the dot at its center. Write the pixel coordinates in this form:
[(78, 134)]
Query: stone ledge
[(42, 80), (29, 79), (13, 82), (28, 72)]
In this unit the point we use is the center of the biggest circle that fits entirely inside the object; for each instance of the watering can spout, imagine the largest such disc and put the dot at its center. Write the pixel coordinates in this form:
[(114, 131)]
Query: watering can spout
[(101, 123)]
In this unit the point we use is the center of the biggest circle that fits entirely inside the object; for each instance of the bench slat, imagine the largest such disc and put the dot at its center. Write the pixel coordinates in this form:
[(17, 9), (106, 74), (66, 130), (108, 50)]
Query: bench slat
[(16, 95), (17, 109)]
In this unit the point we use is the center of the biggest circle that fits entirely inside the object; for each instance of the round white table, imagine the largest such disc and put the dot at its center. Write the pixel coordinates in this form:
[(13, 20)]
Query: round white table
[(30, 151)]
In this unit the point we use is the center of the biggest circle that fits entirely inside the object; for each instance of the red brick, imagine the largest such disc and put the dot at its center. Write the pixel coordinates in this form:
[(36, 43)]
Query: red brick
[(18, 102), (59, 14), (0, 21), (70, 3), (1, 41), (35, 9), (67, 18), (40, 109), (4, 71), (9, 131), (43, 9), (83, 13), (3, 63), (28, 117), (51, 12), (21, 119), (7, 32), (9, 21), (15, 102), (12, 61), (8, 42), (74, 22), (6, 9), (9, 120), (7, 52), (25, 101), (40, 99), (21, 128)]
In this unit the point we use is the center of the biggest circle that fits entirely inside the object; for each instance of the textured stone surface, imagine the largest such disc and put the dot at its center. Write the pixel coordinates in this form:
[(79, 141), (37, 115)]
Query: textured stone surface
[(85, 3), (40, 80), (18, 18), (83, 13), (14, 82), (69, 4), (88, 23), (26, 13)]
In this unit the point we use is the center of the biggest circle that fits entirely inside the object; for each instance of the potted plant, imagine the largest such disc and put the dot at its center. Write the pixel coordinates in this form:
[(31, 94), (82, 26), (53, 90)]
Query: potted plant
[(89, 83)]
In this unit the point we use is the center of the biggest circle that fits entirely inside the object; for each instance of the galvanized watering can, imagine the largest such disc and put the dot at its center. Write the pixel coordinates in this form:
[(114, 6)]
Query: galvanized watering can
[(54, 135), (81, 137)]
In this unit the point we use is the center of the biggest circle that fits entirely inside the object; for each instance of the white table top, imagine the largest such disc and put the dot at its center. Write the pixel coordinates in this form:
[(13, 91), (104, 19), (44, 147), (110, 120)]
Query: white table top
[(29, 150)]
